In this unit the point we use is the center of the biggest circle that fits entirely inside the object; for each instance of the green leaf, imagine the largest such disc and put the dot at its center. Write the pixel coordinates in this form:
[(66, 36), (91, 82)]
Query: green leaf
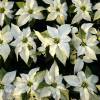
[(64, 94), (42, 85), (82, 35), (71, 8), (2, 73), (40, 75), (88, 71), (20, 4), (7, 20), (73, 56), (24, 96)]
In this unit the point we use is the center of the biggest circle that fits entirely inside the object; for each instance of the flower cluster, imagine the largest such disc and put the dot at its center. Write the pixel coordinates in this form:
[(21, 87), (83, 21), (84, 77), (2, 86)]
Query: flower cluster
[(64, 43)]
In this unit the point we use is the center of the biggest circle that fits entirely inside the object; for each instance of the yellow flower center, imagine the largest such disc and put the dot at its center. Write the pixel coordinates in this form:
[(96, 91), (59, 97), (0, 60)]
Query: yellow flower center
[(1, 86), (1, 41), (83, 44), (84, 84), (30, 47), (58, 9), (30, 11), (54, 85), (24, 40), (29, 83), (2, 10), (83, 8), (56, 40)]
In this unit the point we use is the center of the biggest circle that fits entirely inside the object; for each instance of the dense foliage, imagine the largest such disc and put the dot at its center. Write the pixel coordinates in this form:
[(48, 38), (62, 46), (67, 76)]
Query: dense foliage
[(50, 50)]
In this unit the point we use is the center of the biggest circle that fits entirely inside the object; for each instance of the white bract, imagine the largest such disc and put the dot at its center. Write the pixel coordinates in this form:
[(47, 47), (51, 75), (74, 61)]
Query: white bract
[(24, 43), (54, 81), (85, 44), (27, 83), (5, 10), (82, 84), (57, 10), (97, 14), (30, 11), (6, 87), (5, 39), (57, 41), (83, 7)]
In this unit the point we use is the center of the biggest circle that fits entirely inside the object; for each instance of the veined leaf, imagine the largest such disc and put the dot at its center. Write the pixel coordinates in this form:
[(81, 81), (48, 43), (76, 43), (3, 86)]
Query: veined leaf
[(88, 71), (82, 35), (42, 85), (40, 76), (2, 73), (72, 8), (20, 4)]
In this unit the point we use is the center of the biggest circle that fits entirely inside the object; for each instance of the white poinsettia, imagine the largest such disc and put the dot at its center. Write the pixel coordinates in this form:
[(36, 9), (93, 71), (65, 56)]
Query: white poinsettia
[(27, 83), (6, 87), (85, 44), (83, 7), (5, 10), (82, 84), (30, 11), (5, 39), (60, 39), (97, 14), (54, 83), (57, 10), (57, 41), (24, 44)]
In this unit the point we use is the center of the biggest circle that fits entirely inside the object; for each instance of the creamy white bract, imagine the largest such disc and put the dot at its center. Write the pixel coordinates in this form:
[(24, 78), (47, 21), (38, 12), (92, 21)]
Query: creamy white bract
[(57, 11), (58, 41), (84, 85), (85, 43), (48, 31), (6, 86), (83, 7), (5, 10), (24, 43), (30, 11), (97, 13), (5, 38)]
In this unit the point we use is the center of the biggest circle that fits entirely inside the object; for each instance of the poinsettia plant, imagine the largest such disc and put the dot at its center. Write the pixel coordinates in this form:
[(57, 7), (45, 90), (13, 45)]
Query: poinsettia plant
[(49, 50)]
